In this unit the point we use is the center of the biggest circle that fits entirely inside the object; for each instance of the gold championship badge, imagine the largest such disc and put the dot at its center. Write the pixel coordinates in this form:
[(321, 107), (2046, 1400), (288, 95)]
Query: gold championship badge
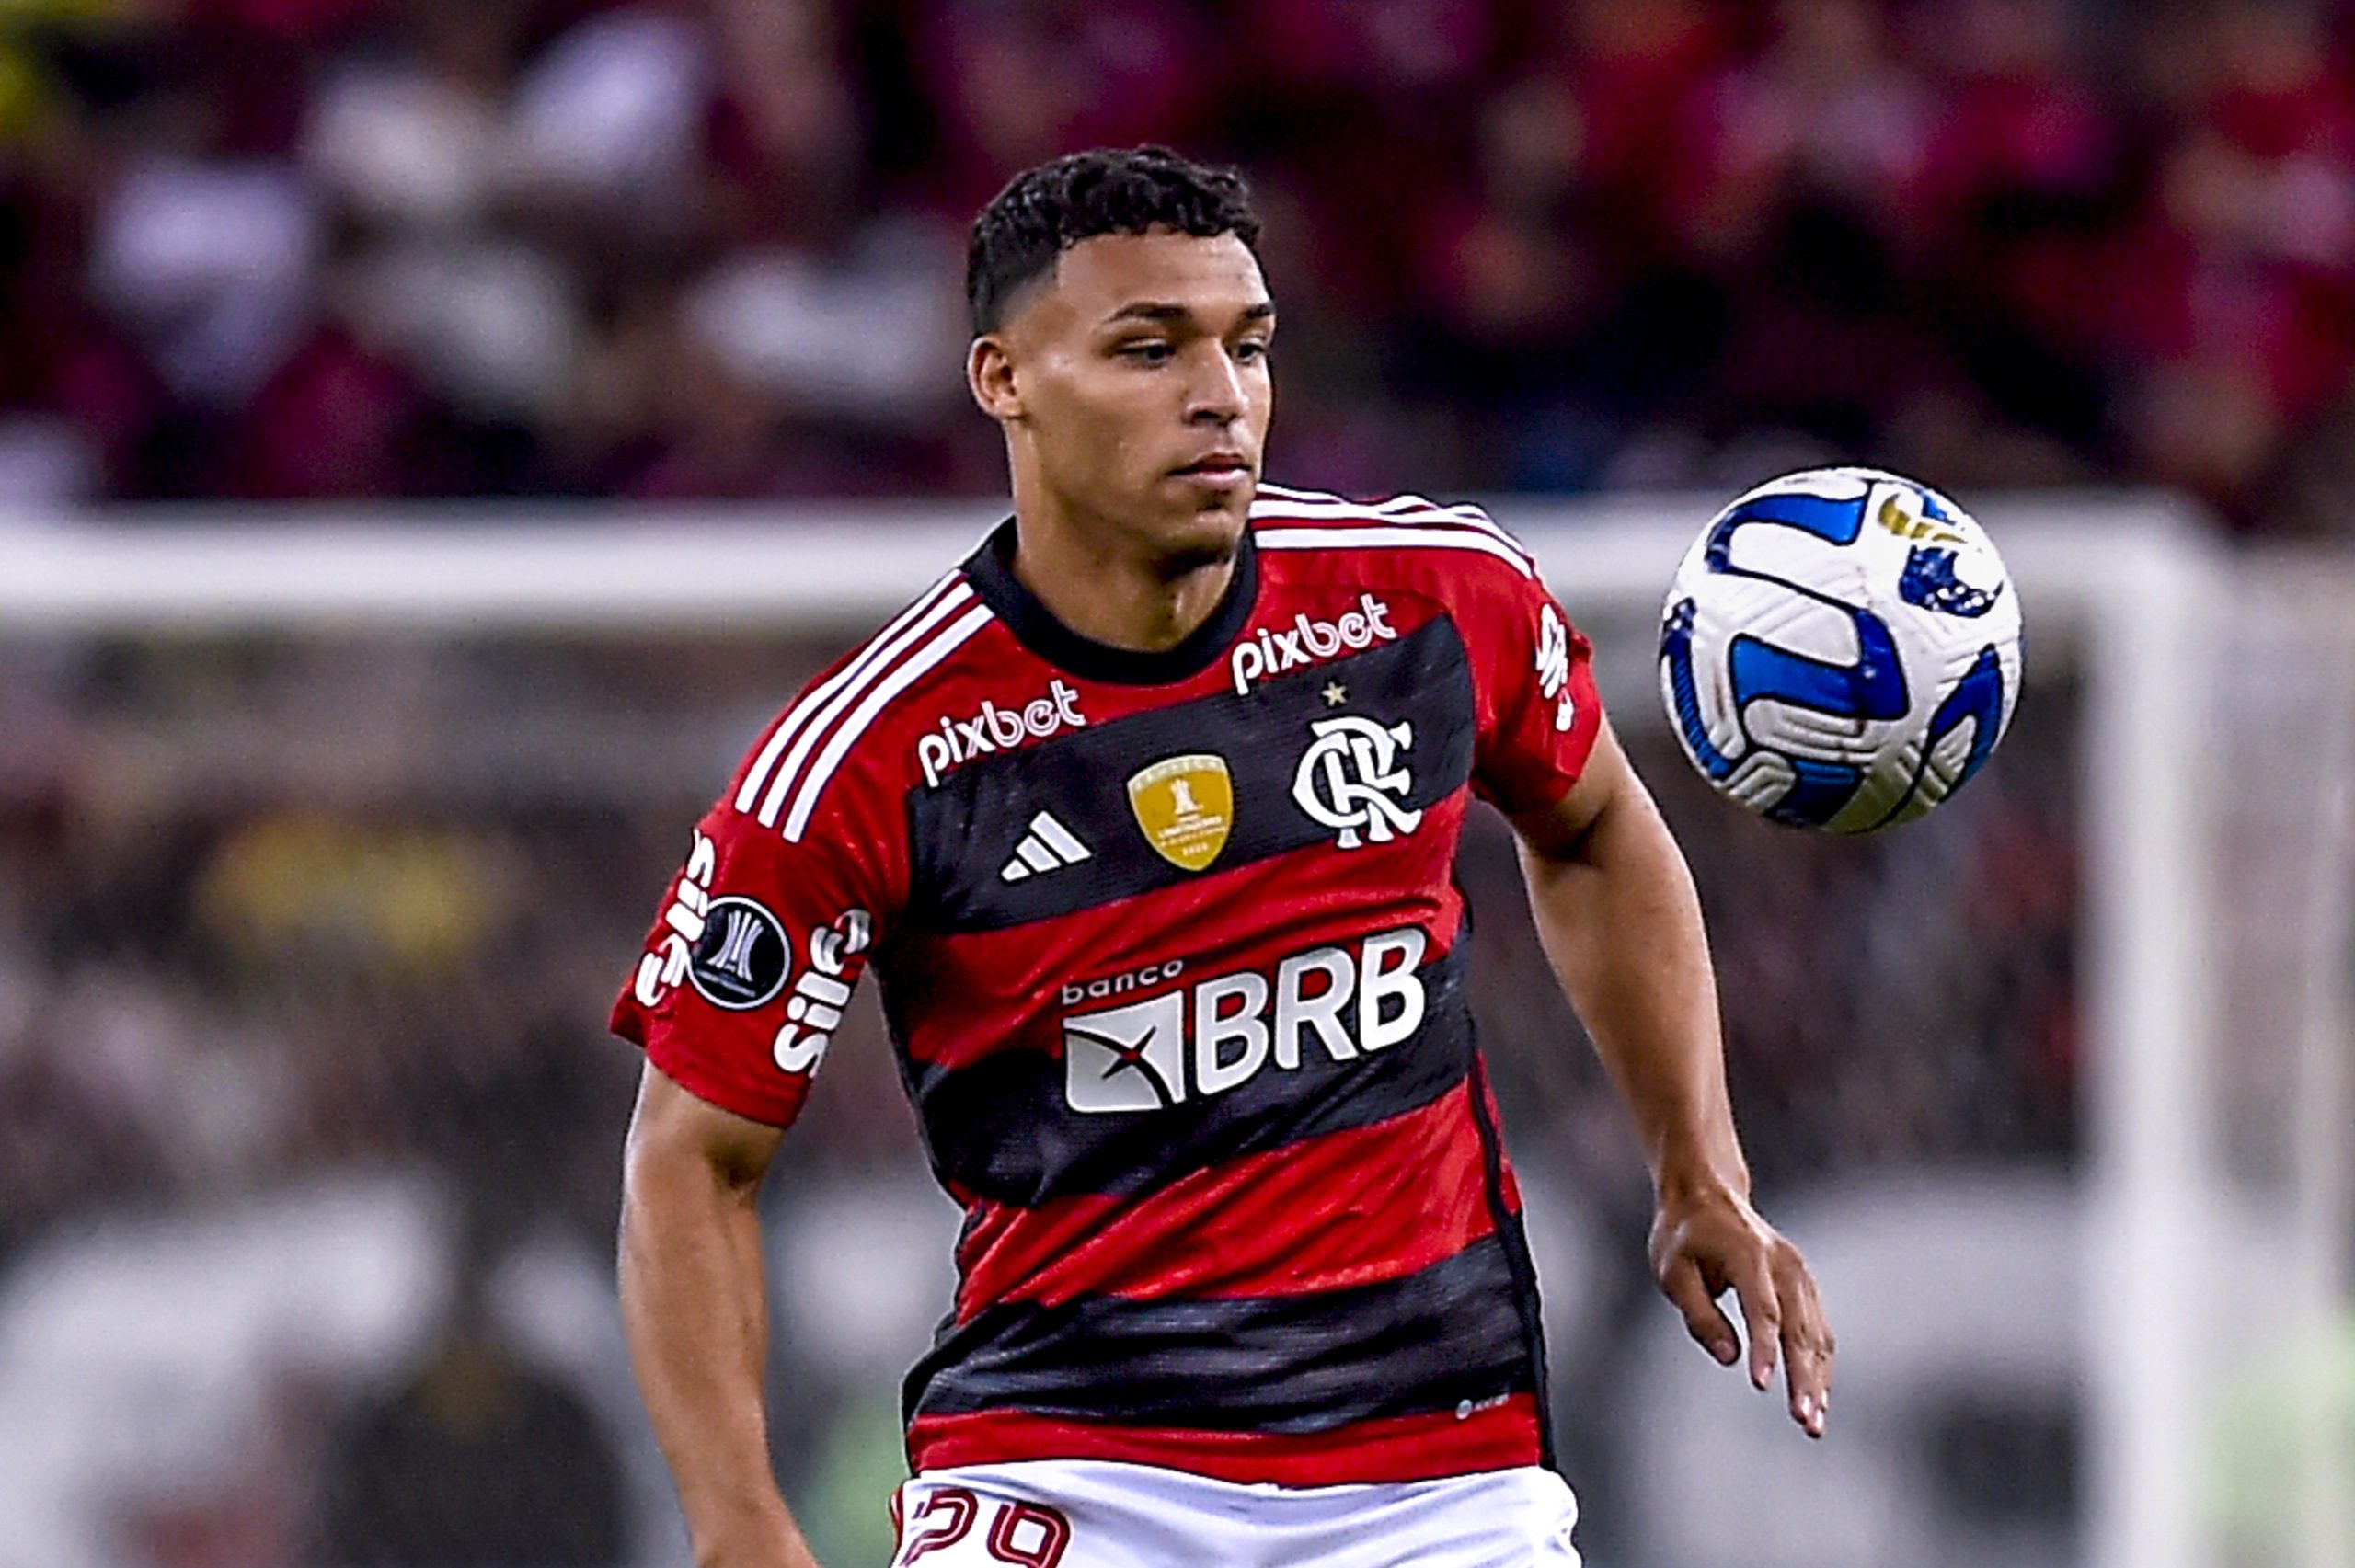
[(1186, 805)]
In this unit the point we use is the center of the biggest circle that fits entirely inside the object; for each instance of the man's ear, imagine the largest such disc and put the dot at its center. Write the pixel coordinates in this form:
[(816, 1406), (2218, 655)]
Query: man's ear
[(989, 373)]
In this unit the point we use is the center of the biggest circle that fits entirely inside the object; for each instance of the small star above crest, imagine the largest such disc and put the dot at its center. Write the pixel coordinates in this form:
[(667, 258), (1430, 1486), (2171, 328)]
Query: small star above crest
[(1335, 693)]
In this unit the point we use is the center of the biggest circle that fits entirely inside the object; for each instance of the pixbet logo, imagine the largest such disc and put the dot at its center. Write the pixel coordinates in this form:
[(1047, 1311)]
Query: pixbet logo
[(998, 729), (1220, 1033), (1272, 652)]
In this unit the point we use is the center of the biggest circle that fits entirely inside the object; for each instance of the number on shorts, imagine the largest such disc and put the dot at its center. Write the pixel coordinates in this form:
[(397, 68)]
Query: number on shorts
[(1028, 1535), (1040, 1549), (955, 1502)]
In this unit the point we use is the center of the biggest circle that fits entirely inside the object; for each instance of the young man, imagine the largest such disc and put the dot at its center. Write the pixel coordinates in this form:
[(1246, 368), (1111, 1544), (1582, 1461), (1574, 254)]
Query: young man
[(1145, 817)]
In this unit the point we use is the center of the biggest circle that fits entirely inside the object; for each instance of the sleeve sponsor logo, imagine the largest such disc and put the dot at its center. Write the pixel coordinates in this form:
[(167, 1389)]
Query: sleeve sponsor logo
[(665, 966), (1220, 1033), (815, 1009), (1352, 779), (1554, 667), (1275, 651), (995, 728)]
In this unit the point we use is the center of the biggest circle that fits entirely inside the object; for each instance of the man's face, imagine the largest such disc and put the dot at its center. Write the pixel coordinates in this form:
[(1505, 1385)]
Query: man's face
[(1134, 384)]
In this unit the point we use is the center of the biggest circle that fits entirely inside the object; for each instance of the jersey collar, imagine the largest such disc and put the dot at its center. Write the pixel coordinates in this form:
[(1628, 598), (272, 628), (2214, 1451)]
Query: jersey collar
[(991, 571)]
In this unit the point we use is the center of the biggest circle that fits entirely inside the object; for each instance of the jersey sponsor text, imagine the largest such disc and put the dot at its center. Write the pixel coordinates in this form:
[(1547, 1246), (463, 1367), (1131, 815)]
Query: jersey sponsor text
[(1144, 1056), (1275, 651), (995, 728)]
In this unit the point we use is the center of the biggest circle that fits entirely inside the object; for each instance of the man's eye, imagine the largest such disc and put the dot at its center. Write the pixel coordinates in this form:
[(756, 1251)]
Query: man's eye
[(1152, 353), (1252, 350)]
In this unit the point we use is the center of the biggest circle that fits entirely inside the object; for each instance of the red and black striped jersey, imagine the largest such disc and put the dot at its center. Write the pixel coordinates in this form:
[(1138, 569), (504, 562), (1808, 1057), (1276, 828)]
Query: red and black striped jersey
[(1174, 963)]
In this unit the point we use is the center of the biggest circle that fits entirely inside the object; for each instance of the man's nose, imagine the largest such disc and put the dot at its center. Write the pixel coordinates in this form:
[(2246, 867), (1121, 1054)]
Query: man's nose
[(1215, 391)]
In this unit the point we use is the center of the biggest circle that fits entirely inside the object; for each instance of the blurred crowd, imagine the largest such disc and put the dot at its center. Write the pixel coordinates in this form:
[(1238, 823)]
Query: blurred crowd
[(670, 249)]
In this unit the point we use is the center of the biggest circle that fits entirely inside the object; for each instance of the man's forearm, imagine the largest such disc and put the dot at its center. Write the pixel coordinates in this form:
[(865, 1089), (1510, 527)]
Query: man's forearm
[(1616, 911), (1621, 923), (695, 1305)]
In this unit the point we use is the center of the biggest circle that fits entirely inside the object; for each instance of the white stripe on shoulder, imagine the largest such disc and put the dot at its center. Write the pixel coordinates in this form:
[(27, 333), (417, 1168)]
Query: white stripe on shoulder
[(823, 716), (1416, 508), (1408, 511), (850, 674), (1393, 537), (899, 680), (1282, 498)]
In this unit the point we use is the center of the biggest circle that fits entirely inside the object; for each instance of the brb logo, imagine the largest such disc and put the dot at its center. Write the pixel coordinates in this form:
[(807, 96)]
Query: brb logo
[(1307, 642), (998, 729), (1348, 776), (1220, 1033)]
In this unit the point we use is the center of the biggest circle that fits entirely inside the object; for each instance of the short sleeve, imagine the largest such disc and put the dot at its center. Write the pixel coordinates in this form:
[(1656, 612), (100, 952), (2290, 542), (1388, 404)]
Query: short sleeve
[(755, 951), (1539, 711)]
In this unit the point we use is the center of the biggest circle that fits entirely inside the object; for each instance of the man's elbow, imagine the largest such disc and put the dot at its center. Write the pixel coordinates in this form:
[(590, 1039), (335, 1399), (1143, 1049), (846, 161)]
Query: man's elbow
[(677, 1144)]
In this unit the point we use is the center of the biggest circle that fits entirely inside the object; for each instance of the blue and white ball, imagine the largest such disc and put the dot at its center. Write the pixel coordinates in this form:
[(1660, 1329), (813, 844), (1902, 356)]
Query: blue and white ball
[(1840, 649)]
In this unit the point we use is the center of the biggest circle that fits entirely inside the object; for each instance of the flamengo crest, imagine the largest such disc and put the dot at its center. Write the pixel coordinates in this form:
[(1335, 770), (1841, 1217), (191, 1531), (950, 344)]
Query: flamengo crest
[(1352, 780)]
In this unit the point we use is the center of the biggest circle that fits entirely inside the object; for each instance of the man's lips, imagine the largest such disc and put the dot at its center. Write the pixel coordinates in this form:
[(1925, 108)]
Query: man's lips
[(1218, 465)]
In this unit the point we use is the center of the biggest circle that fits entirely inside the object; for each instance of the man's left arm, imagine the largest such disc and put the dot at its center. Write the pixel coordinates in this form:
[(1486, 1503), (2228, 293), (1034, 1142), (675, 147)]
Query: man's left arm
[(1621, 923)]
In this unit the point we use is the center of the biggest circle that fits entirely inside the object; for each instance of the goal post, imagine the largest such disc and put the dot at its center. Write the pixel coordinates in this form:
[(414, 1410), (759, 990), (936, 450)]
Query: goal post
[(2130, 592)]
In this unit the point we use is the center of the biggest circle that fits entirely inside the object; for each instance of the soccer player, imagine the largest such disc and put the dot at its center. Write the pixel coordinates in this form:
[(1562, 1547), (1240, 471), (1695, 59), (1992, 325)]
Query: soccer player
[(1146, 815)]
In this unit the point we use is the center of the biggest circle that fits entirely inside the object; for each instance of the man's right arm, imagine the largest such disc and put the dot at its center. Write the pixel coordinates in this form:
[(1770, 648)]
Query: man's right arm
[(694, 1304)]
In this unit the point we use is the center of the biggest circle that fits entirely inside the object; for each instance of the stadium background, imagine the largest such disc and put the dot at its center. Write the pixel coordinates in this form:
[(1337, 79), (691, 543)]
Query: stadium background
[(309, 1128)]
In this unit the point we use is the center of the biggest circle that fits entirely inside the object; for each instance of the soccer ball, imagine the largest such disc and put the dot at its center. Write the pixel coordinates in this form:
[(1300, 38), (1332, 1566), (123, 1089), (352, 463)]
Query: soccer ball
[(1840, 649)]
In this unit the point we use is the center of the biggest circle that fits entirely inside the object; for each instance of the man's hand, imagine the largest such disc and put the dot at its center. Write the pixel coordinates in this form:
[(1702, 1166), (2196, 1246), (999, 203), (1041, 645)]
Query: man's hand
[(1703, 1246)]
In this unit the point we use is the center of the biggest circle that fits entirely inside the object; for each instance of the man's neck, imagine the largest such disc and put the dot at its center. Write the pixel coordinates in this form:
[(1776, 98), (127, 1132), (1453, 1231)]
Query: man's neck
[(1117, 596)]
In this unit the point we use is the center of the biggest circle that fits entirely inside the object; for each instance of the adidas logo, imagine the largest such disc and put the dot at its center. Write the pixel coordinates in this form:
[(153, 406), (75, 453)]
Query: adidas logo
[(1048, 846)]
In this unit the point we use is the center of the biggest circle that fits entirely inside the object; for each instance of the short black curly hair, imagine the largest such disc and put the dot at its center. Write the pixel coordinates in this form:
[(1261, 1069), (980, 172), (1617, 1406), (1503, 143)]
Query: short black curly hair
[(1045, 210)]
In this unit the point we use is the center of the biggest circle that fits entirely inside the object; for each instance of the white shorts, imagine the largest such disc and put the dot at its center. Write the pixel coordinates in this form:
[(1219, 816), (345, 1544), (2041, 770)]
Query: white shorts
[(1095, 1514)]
